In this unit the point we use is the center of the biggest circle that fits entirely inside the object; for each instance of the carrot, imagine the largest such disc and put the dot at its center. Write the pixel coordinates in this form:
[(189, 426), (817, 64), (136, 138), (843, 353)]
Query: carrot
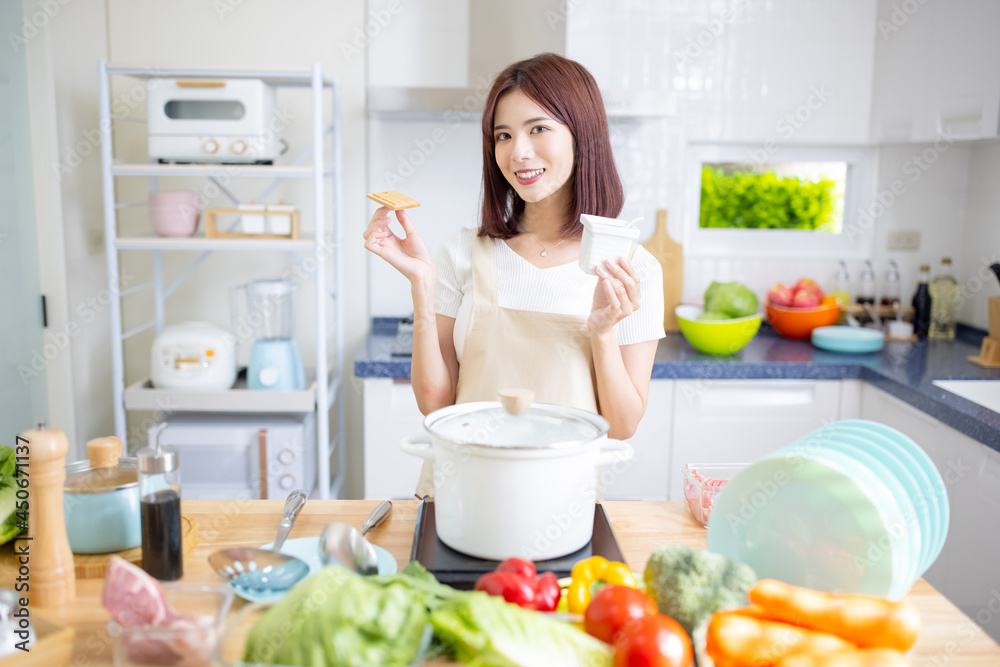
[(858, 657), (866, 620), (734, 638)]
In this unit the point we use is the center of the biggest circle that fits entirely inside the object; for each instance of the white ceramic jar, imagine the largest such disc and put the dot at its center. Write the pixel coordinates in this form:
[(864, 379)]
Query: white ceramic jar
[(605, 239)]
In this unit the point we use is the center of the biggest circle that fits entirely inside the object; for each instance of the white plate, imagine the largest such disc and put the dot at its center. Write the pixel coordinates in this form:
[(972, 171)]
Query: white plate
[(307, 548), (803, 521)]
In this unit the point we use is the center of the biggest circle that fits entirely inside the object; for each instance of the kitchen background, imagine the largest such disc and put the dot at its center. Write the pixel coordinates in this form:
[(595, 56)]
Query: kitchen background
[(886, 80)]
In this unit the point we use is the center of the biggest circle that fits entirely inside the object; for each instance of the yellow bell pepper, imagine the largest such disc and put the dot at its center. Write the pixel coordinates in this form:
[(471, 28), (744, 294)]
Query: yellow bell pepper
[(589, 575)]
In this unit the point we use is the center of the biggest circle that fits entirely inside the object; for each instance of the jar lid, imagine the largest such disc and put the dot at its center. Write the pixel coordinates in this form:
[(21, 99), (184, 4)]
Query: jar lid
[(81, 477), (489, 424), (153, 461)]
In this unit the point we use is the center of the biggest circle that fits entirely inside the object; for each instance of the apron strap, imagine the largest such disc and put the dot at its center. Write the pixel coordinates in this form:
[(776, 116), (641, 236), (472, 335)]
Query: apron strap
[(484, 271)]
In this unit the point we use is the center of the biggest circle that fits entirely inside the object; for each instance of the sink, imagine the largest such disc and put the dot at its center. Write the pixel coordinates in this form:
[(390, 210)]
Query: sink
[(983, 392)]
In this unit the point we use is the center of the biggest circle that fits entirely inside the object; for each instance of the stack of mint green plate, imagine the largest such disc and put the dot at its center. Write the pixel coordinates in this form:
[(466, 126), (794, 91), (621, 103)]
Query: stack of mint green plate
[(854, 507)]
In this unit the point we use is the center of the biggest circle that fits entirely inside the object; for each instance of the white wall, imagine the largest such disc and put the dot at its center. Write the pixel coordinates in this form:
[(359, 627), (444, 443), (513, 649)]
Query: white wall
[(737, 68), (189, 33), (734, 81)]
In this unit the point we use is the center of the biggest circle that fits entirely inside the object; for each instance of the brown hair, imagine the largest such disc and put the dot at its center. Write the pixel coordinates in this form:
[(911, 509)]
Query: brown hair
[(566, 90)]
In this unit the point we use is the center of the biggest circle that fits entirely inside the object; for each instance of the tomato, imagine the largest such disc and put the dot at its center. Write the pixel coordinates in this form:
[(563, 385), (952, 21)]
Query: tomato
[(519, 566), (614, 606), (653, 641)]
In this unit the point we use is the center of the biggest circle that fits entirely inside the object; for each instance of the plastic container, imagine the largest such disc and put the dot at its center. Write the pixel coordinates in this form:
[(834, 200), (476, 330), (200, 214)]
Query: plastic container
[(191, 645), (605, 239), (702, 483)]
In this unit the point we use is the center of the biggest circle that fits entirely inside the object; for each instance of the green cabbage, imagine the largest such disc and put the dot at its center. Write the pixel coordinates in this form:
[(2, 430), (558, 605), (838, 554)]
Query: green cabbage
[(730, 299)]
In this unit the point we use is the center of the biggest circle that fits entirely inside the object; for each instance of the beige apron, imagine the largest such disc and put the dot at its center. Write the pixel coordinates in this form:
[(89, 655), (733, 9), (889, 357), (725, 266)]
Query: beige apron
[(506, 348)]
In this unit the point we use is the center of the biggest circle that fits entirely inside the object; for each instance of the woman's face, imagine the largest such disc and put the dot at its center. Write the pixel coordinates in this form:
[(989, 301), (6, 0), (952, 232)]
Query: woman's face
[(533, 150)]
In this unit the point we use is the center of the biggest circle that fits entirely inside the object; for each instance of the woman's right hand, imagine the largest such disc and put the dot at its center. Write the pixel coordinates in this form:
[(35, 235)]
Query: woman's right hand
[(408, 255)]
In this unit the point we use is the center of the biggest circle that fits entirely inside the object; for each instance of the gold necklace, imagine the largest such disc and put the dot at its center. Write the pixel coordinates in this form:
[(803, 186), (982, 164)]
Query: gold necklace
[(545, 251)]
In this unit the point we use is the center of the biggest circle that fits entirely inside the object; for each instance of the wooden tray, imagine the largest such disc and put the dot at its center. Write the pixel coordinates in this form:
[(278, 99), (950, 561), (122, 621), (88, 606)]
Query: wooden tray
[(212, 229), (52, 648), (93, 566)]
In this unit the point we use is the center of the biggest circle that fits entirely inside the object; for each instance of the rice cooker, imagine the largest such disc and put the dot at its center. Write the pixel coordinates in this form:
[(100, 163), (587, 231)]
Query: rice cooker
[(194, 355)]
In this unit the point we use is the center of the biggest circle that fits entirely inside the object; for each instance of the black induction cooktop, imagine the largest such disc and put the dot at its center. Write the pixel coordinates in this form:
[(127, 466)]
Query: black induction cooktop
[(461, 571)]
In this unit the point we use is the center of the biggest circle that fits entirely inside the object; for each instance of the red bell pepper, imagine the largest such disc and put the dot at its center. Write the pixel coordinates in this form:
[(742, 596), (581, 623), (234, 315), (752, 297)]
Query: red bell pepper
[(515, 580)]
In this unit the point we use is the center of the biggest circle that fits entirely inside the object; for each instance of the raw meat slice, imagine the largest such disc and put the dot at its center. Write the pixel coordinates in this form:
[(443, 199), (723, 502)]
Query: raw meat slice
[(132, 597)]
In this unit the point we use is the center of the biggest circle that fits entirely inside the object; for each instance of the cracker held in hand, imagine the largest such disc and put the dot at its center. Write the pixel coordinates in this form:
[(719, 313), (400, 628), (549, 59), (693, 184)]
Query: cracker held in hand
[(393, 200)]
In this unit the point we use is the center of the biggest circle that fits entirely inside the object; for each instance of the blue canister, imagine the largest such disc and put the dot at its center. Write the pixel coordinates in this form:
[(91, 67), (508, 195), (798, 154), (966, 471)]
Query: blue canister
[(101, 504)]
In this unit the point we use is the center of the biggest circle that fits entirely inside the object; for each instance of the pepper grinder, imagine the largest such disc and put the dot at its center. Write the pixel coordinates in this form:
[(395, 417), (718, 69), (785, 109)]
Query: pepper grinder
[(53, 577), (160, 510)]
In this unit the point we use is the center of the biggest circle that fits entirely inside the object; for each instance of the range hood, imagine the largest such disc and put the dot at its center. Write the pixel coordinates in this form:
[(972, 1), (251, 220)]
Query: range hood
[(501, 33)]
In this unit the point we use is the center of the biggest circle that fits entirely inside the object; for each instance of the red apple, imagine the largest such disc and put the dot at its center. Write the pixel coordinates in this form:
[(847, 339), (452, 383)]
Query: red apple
[(810, 284), (780, 295), (805, 298)]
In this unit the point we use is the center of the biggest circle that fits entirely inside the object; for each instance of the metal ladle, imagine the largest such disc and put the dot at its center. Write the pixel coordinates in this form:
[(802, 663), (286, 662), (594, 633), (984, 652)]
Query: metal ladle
[(345, 545), (265, 569)]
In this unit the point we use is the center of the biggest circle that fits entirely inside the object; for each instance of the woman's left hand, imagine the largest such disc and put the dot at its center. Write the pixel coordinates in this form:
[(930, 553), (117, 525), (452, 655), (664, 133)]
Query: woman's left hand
[(617, 296)]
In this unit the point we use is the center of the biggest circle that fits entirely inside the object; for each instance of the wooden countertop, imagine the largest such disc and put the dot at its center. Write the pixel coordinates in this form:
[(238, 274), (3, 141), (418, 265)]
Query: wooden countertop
[(948, 637)]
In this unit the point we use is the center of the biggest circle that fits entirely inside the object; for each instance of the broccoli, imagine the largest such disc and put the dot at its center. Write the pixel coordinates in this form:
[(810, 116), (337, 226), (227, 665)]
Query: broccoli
[(689, 585)]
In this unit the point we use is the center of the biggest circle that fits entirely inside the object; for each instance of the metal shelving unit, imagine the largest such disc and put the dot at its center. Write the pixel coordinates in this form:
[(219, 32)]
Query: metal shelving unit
[(324, 170)]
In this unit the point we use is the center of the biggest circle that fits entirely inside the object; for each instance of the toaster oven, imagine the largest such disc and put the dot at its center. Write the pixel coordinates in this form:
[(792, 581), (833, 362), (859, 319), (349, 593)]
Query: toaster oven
[(239, 457), (225, 120)]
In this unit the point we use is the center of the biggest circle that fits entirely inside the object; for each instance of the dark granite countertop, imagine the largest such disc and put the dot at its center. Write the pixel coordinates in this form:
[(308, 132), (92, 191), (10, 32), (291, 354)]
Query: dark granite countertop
[(905, 370)]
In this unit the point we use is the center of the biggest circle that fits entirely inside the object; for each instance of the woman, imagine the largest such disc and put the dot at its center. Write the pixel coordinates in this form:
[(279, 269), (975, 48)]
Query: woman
[(507, 305)]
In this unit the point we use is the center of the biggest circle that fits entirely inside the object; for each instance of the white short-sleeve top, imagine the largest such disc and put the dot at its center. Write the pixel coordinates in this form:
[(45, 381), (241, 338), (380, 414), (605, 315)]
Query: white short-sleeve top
[(563, 289)]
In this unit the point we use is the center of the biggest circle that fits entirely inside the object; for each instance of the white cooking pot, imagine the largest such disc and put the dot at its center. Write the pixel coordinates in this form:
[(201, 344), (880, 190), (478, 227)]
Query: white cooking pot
[(513, 480)]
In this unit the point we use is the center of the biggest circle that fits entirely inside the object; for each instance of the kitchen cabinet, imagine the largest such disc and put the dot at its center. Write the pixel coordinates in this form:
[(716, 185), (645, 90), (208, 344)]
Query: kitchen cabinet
[(936, 71), (966, 571), (390, 414), (646, 475), (739, 421)]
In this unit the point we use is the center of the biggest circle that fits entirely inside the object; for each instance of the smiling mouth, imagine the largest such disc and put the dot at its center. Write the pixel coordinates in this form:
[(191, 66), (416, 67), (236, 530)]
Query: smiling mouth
[(529, 175)]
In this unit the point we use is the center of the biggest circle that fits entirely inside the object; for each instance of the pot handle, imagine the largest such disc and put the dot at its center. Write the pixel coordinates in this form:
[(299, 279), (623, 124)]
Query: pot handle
[(614, 450), (418, 445)]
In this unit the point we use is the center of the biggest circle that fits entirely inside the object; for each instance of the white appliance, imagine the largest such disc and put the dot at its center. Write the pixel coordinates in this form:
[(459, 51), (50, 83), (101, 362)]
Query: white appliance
[(239, 457), (224, 120), (199, 356)]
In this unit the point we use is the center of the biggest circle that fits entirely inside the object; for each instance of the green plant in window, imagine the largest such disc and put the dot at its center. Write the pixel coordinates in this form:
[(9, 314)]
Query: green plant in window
[(743, 200)]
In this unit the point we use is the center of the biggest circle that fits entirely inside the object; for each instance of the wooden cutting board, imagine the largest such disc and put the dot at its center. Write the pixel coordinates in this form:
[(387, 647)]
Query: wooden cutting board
[(93, 566), (670, 254)]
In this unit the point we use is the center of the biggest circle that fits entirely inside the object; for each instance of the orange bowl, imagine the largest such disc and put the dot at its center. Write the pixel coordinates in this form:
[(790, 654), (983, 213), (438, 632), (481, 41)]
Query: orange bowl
[(798, 323)]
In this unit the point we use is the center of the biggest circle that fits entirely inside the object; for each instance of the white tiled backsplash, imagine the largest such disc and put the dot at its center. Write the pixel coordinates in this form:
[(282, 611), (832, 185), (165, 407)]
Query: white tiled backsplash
[(737, 75)]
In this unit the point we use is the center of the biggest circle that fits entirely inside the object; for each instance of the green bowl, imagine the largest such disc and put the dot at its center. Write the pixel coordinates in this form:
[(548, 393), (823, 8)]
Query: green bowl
[(716, 336)]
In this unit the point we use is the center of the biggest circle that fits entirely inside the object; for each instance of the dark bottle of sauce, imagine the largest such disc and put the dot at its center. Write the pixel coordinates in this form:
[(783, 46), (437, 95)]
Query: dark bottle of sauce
[(922, 303), (160, 511)]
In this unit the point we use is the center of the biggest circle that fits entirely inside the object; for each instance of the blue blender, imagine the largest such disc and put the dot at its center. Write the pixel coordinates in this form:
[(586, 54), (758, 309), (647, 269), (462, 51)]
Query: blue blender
[(275, 363)]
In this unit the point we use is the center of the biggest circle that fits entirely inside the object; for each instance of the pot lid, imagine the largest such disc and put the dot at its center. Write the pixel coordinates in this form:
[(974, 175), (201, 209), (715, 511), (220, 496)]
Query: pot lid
[(82, 478), (515, 423)]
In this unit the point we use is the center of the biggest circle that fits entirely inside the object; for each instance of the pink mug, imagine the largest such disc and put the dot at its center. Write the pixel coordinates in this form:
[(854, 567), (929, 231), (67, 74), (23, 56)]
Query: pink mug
[(174, 213)]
